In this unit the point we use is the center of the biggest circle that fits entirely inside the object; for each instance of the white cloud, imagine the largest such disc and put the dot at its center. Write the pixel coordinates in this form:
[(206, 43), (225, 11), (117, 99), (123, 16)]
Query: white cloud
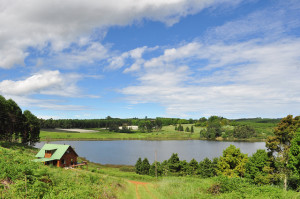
[(252, 78), (89, 54), (46, 82), (35, 23), (29, 92)]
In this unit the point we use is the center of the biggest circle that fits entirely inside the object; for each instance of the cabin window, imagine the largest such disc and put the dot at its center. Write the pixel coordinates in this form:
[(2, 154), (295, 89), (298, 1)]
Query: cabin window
[(63, 161)]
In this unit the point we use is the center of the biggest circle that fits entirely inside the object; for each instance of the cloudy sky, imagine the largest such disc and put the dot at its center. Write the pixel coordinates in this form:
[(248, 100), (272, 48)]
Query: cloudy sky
[(166, 58)]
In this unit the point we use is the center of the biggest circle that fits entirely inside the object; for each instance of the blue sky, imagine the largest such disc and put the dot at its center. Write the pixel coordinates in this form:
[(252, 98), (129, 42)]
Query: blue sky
[(154, 58)]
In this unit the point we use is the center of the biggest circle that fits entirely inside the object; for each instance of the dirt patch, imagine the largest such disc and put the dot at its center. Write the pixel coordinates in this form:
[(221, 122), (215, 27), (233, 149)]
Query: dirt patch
[(6, 183), (71, 130), (144, 184)]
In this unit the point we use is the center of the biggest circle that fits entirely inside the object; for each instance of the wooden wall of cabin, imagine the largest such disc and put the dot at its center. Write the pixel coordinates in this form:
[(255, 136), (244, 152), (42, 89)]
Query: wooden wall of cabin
[(68, 158)]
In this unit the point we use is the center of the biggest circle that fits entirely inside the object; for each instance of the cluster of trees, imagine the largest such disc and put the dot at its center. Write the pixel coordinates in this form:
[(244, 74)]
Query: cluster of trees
[(203, 122), (279, 164), (218, 127), (176, 167), (16, 125), (181, 128), (149, 125)]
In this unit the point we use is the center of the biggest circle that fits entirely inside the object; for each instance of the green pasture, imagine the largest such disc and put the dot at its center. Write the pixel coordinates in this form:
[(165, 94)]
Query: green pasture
[(166, 133)]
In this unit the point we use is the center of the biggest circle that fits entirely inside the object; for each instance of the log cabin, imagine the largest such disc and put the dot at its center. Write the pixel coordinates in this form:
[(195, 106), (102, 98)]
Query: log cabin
[(57, 155)]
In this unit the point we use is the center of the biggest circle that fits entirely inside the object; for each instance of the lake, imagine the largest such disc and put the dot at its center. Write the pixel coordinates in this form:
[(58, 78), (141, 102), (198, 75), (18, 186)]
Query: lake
[(126, 152)]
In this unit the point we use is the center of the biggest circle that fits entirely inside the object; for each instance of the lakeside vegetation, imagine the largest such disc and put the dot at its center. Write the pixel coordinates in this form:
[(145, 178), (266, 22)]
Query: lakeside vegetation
[(279, 165), (22, 178)]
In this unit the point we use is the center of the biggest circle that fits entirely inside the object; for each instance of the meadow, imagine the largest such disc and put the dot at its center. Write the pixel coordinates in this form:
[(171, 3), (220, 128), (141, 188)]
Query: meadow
[(22, 178), (166, 133)]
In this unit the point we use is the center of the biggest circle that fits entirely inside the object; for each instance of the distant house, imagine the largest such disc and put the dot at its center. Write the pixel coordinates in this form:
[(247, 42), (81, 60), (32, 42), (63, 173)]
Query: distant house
[(57, 155)]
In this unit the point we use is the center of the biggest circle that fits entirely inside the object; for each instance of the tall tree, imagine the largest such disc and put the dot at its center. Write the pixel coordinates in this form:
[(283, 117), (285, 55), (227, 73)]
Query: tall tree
[(294, 162), (145, 168), (3, 118), (138, 166), (279, 145), (32, 126)]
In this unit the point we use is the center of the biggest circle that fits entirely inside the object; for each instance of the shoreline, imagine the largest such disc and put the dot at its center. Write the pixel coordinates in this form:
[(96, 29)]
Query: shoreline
[(150, 139)]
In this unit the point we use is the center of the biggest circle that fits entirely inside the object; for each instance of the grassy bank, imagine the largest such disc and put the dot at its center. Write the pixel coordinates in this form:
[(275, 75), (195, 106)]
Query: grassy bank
[(22, 178), (166, 133)]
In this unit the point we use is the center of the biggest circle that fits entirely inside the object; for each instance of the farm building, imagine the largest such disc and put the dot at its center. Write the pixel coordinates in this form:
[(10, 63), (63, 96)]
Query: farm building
[(57, 155)]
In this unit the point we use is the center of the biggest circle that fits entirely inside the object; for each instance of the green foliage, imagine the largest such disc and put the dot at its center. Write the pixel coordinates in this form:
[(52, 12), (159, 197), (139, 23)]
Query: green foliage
[(207, 168), (194, 166), (244, 131), (232, 163), (294, 162), (279, 145), (258, 168), (15, 125), (23, 178), (138, 166), (145, 167), (192, 129), (159, 169), (174, 163), (187, 129)]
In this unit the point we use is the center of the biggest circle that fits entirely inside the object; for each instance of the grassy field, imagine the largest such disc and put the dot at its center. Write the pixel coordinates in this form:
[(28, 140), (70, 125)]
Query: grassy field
[(166, 133), (22, 178)]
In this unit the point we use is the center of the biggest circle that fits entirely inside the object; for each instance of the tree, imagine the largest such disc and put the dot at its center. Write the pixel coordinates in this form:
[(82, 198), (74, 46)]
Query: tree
[(232, 163), (3, 119), (203, 133), (192, 129), (279, 145), (244, 131), (206, 168), (138, 166), (193, 167), (174, 163), (213, 127), (145, 167), (258, 168), (152, 169), (294, 162), (148, 126), (187, 129), (32, 127), (142, 126), (158, 124)]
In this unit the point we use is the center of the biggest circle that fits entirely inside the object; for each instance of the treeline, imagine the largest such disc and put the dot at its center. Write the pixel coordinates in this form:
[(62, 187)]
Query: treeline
[(222, 127), (280, 164), (16, 125), (110, 122)]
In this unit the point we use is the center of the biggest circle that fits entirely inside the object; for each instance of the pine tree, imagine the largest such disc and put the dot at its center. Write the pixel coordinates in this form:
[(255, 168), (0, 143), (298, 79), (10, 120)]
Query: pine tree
[(145, 167), (138, 166), (192, 129)]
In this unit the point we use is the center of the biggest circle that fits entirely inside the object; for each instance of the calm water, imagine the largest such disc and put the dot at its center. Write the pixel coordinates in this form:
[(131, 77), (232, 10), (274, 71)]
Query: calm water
[(127, 152)]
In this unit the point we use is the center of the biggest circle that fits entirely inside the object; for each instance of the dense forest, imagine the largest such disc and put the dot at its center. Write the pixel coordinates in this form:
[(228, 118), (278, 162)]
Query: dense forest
[(280, 164), (110, 122), (16, 125)]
